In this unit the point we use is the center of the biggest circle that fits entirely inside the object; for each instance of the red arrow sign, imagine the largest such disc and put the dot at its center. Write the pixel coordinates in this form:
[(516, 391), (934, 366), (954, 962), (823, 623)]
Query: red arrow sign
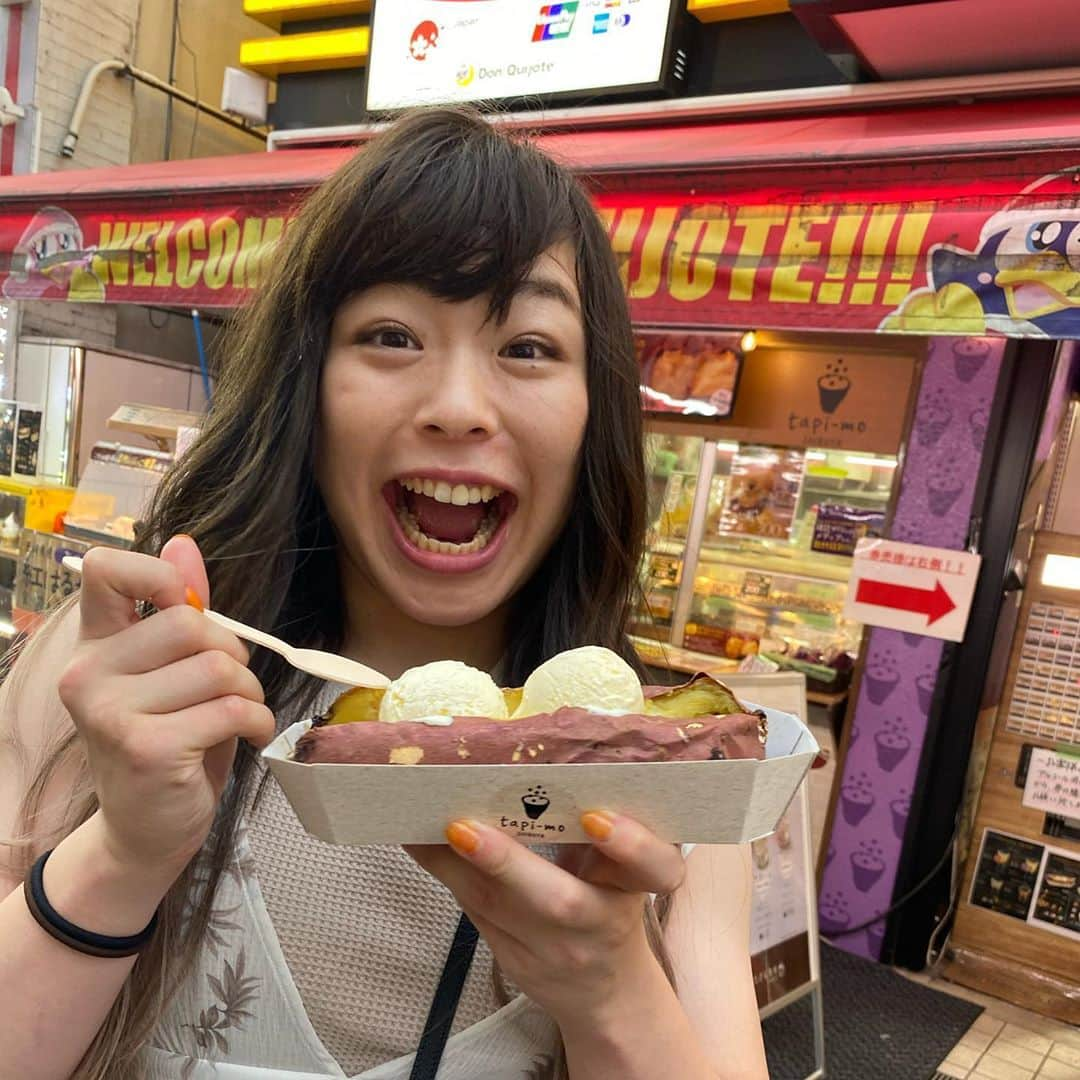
[(934, 603)]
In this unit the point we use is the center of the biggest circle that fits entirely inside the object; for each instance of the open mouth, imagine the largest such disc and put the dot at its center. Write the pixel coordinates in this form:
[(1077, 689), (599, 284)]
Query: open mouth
[(441, 518)]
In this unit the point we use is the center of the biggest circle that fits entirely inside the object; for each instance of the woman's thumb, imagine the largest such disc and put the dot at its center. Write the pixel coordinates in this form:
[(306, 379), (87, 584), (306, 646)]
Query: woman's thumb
[(183, 553)]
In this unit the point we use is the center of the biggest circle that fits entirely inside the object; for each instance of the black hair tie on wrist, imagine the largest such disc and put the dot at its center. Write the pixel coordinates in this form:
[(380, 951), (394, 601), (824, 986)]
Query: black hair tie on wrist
[(84, 941)]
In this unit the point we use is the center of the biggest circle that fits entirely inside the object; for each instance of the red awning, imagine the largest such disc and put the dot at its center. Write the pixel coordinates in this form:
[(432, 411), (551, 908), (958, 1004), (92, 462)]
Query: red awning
[(910, 218), (292, 171)]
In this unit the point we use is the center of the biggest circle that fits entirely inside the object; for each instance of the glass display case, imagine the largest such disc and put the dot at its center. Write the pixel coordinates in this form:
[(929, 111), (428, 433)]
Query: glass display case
[(673, 463), (749, 552), (117, 485)]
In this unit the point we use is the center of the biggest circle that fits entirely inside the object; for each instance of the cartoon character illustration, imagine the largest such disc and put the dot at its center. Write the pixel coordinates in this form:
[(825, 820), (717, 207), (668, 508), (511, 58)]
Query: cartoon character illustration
[(50, 260), (1022, 279)]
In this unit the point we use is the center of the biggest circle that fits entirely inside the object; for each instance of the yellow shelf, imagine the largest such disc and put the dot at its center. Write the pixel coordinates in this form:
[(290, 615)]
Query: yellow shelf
[(320, 51), (273, 13), (717, 10)]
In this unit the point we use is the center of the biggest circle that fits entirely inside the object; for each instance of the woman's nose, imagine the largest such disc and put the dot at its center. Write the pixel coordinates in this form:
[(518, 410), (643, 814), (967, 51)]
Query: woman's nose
[(460, 401)]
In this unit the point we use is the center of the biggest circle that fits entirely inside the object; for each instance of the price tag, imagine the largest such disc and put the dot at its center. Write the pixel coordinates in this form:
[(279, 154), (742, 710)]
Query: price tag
[(756, 585)]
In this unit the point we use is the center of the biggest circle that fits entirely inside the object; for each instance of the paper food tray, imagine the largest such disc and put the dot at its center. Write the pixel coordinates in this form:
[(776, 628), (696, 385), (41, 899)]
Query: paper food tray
[(700, 802)]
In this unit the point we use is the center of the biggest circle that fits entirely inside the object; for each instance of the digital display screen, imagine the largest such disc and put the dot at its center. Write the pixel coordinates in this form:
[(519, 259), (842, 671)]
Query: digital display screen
[(426, 52)]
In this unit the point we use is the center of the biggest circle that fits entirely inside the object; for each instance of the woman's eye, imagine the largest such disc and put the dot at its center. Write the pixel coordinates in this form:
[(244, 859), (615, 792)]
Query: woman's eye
[(528, 350), (390, 337)]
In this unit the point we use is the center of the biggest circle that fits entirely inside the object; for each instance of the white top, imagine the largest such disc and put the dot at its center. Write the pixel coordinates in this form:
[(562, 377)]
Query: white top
[(330, 972)]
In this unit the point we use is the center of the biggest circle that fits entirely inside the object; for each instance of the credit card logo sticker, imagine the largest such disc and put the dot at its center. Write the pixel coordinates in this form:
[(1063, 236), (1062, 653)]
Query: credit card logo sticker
[(605, 21), (555, 21)]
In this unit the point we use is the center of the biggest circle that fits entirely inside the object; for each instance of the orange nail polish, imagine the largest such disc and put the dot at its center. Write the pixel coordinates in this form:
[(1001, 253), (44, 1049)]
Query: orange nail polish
[(597, 825), (463, 838), (192, 597)]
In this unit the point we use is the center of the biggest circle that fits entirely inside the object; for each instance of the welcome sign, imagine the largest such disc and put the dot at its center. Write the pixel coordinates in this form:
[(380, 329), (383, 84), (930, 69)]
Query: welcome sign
[(997, 257)]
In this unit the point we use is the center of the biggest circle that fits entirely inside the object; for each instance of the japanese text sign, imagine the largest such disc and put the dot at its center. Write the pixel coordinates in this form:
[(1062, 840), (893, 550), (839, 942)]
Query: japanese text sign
[(1053, 783), (915, 589)]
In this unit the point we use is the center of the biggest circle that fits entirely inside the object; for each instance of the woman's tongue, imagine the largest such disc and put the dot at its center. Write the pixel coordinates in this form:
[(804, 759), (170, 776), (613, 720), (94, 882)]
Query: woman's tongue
[(444, 521)]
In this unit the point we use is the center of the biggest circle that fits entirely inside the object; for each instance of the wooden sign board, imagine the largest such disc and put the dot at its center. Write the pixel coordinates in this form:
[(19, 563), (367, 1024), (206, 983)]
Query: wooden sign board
[(824, 398), (153, 420)]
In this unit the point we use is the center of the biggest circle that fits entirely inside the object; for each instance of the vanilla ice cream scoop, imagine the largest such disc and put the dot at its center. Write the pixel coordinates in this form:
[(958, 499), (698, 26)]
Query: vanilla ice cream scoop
[(444, 688), (591, 678)]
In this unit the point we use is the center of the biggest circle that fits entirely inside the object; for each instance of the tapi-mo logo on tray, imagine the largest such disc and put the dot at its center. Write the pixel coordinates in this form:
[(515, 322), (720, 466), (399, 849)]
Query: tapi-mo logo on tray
[(536, 811)]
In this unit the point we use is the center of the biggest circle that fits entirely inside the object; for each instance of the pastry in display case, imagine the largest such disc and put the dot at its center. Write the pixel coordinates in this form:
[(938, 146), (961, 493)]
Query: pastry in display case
[(793, 621), (765, 571), (694, 374)]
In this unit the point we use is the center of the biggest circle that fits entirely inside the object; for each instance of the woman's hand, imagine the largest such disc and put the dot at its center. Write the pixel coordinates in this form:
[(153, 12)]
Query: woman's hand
[(571, 935), (159, 703)]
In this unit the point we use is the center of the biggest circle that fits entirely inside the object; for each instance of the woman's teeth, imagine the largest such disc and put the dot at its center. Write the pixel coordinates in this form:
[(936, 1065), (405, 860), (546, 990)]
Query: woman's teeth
[(424, 542), (457, 494)]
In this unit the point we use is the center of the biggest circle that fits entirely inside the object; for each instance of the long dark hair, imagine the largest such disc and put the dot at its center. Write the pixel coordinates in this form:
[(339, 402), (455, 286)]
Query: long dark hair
[(441, 200)]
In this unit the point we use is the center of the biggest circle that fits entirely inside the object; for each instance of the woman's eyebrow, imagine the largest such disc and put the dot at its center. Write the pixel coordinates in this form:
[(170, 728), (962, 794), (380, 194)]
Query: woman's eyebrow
[(547, 288)]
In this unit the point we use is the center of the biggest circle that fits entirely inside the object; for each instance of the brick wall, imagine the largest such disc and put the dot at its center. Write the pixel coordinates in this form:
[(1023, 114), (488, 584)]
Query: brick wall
[(73, 35)]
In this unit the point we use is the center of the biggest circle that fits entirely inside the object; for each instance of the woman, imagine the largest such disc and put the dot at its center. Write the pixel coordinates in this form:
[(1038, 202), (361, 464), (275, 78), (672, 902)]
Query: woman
[(425, 444)]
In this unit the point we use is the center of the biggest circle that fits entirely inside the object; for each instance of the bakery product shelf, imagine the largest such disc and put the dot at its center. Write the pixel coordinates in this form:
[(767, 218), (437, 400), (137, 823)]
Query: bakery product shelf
[(796, 565), (674, 658), (785, 607), (771, 561)]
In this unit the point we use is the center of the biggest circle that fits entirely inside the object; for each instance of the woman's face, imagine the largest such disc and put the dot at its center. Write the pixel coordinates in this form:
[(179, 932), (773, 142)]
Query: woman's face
[(449, 443)]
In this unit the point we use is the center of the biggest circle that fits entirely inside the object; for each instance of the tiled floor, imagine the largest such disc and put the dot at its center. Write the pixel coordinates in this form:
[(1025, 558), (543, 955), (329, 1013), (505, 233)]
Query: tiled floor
[(1008, 1043)]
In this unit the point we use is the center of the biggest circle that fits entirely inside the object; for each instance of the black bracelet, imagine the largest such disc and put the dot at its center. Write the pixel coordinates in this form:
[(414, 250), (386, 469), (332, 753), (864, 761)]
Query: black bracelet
[(84, 941)]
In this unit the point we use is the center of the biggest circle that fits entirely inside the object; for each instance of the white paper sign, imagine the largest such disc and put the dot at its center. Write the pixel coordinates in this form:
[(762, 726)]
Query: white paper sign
[(779, 908), (431, 51), (1053, 783), (908, 587)]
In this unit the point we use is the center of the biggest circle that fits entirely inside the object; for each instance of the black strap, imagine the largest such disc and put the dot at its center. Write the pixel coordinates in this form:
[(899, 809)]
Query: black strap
[(445, 1002)]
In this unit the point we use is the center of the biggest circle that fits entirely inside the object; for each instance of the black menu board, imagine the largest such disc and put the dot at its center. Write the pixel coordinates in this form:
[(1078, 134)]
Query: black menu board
[(1058, 902), (1006, 874), (8, 410), (27, 441)]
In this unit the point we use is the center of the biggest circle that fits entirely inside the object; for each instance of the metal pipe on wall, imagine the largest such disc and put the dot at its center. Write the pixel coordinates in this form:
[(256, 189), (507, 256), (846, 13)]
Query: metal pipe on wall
[(122, 67), (172, 80)]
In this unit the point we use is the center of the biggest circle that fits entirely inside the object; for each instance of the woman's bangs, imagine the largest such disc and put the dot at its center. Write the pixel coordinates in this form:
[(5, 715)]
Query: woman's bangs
[(462, 222)]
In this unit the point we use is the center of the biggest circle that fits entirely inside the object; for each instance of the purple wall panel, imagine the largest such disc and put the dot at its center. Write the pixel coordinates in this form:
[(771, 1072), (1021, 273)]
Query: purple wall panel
[(889, 726)]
